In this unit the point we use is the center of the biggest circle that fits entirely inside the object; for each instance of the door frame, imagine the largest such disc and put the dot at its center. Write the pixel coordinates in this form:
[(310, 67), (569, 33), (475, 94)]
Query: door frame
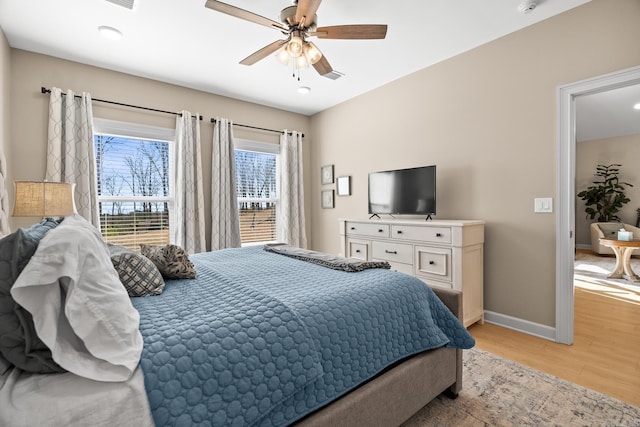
[(566, 178)]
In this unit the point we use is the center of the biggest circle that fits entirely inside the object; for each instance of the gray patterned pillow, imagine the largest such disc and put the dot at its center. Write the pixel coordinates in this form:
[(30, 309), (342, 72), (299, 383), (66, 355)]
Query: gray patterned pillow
[(137, 273), (172, 261)]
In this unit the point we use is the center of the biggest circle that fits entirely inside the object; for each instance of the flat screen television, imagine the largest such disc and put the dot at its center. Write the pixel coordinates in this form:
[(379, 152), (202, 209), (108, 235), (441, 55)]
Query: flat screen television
[(403, 191)]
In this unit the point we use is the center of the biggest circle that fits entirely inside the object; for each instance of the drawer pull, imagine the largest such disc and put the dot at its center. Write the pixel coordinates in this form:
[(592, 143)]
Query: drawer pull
[(353, 228), (399, 231), (380, 230), (386, 251), (438, 234), (357, 251), (431, 262)]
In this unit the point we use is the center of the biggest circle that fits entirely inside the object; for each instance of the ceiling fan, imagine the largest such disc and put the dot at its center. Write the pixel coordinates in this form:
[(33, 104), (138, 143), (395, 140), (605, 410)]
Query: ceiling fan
[(298, 22)]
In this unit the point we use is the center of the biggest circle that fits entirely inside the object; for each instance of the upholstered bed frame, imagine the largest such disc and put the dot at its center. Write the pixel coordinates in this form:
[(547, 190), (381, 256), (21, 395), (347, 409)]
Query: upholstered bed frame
[(394, 396)]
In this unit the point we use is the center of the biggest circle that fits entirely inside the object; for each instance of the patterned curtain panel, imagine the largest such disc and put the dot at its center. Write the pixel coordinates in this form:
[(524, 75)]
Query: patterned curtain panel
[(4, 198), (70, 151), (292, 227), (188, 212), (225, 220)]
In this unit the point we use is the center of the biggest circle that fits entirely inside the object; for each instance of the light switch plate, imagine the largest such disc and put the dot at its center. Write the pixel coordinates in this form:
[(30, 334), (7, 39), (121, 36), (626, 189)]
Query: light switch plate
[(543, 205)]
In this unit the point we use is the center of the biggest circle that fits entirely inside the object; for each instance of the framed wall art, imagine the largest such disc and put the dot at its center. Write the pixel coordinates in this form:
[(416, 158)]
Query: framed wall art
[(327, 199), (344, 185), (326, 174)]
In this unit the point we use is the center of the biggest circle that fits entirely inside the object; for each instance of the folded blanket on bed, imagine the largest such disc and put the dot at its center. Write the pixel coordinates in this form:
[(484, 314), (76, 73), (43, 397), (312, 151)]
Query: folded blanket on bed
[(326, 260)]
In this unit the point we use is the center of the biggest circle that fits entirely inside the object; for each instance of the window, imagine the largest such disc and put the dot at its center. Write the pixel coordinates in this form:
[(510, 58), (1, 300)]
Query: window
[(133, 173), (257, 184)]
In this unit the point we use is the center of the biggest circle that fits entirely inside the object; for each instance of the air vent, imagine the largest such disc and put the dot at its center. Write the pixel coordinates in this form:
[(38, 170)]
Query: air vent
[(333, 75), (129, 4)]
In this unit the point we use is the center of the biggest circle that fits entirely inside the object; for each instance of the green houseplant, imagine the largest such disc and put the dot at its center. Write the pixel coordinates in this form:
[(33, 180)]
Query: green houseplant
[(604, 199)]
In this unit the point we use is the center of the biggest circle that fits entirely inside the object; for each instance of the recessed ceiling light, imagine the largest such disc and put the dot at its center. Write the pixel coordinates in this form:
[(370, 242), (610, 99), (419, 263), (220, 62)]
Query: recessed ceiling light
[(110, 32), (304, 89), (637, 106)]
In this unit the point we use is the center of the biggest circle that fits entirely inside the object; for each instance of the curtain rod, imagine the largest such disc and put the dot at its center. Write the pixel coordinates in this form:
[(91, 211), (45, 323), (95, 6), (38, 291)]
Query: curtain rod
[(213, 120), (45, 90)]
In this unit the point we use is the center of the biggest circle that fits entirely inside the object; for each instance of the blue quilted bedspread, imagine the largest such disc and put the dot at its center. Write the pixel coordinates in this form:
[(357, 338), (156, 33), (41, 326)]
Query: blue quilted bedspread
[(263, 339)]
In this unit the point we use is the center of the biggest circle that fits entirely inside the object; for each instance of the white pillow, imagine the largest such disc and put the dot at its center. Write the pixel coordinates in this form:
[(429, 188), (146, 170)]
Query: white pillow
[(80, 309)]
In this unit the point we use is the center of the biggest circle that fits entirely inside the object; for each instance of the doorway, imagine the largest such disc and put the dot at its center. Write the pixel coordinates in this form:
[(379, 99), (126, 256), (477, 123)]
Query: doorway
[(566, 164)]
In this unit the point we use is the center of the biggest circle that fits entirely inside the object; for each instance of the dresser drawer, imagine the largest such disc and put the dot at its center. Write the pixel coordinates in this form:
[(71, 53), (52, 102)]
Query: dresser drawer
[(433, 262), (435, 283), (390, 251), (424, 234), (367, 229), (400, 267), (358, 249)]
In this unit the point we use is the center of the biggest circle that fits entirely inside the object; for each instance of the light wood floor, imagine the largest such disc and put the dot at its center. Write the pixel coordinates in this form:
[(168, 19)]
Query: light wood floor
[(605, 355)]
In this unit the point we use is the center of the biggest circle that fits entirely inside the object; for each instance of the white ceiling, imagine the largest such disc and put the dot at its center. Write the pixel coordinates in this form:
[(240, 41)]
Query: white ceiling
[(608, 114), (184, 43)]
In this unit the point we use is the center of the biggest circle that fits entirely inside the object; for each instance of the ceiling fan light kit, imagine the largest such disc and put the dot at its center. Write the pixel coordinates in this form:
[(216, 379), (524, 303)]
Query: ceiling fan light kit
[(299, 22)]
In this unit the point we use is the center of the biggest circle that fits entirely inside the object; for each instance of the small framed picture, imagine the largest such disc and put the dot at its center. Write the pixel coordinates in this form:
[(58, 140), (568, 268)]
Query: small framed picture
[(326, 174), (344, 185), (327, 199)]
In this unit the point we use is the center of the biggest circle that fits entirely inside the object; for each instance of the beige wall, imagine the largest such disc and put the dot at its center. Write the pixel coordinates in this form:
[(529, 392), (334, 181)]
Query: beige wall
[(29, 109), (488, 119), (624, 150), (5, 104)]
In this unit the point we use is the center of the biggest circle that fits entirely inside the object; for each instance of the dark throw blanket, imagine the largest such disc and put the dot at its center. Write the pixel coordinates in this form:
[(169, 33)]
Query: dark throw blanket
[(326, 260)]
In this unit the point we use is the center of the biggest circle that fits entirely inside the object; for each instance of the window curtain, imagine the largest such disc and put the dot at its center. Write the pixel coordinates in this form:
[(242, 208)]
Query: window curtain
[(292, 227), (70, 150), (4, 197), (225, 220), (188, 212)]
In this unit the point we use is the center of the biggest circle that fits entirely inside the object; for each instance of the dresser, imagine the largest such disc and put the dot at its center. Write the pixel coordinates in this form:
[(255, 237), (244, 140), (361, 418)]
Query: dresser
[(443, 253)]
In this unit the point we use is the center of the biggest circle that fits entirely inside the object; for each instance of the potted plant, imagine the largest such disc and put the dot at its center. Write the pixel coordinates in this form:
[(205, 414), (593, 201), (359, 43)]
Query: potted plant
[(604, 199)]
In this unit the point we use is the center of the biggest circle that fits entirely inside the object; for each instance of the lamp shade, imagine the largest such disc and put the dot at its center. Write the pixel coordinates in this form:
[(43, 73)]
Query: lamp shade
[(43, 199)]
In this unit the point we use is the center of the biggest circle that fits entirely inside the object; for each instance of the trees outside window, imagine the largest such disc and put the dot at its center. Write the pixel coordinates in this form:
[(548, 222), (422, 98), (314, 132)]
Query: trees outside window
[(257, 184), (134, 186)]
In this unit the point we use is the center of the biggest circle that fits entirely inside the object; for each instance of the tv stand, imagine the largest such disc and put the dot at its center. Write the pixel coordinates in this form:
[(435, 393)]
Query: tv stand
[(441, 253)]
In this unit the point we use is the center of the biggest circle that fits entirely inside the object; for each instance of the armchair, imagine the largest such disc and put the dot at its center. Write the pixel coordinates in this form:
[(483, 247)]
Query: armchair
[(608, 229)]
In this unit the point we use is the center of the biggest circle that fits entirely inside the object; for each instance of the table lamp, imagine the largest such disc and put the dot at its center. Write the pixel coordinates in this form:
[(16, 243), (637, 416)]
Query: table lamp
[(43, 199)]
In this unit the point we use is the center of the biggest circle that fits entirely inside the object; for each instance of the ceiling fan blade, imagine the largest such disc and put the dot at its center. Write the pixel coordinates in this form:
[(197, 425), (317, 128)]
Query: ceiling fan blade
[(306, 9), (263, 53), (352, 32), (244, 14), (322, 66)]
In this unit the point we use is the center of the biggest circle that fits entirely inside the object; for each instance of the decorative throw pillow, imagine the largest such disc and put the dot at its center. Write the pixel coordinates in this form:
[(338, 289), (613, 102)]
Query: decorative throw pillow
[(19, 343), (79, 307), (137, 273), (172, 261), (4, 365)]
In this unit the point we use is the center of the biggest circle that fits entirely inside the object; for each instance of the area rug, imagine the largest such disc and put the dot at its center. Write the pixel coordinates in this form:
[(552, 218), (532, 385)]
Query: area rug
[(499, 392), (595, 268)]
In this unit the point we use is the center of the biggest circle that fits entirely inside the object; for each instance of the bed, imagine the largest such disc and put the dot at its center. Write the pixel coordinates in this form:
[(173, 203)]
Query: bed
[(256, 338)]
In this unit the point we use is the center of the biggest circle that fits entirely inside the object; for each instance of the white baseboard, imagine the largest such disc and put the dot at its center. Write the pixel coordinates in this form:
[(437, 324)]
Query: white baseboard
[(583, 246), (520, 325)]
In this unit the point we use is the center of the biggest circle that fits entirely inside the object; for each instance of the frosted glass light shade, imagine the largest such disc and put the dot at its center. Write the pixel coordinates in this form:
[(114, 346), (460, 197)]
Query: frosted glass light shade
[(294, 47), (43, 199), (283, 56), (312, 53), (301, 62)]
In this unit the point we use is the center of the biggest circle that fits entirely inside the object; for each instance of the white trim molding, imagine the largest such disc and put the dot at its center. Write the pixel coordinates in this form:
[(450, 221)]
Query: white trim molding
[(524, 326), (565, 209)]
